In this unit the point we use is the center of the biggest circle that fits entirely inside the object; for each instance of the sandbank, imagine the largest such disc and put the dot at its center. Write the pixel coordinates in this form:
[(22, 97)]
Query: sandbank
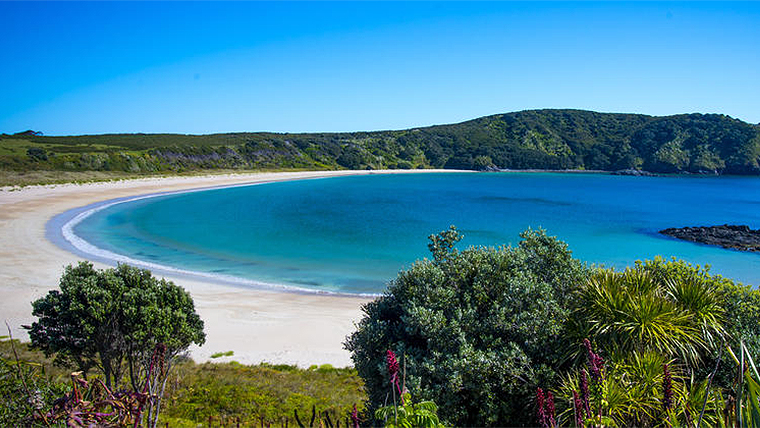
[(256, 324)]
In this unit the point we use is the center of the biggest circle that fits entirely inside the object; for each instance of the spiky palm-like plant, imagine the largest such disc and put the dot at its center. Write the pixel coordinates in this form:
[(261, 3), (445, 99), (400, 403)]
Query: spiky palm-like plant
[(632, 394), (636, 311)]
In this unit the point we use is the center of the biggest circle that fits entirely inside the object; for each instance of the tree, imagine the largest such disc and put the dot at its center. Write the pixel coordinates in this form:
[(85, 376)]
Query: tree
[(109, 319), (482, 163), (477, 329)]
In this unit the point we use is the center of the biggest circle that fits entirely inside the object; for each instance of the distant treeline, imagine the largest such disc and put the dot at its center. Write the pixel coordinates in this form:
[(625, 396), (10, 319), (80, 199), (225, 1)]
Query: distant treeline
[(533, 139)]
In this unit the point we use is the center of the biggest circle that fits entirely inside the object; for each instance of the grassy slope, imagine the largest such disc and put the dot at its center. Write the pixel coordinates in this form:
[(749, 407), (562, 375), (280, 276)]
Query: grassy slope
[(231, 392), (546, 139)]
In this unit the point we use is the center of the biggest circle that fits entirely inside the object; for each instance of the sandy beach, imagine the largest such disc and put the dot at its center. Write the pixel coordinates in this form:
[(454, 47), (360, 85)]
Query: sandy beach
[(257, 325)]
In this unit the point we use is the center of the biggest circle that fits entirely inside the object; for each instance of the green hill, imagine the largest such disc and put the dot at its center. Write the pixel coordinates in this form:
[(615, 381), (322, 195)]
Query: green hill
[(532, 139)]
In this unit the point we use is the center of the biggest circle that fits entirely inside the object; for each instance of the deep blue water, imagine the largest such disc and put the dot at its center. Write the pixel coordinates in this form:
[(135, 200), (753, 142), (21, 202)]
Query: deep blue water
[(353, 234)]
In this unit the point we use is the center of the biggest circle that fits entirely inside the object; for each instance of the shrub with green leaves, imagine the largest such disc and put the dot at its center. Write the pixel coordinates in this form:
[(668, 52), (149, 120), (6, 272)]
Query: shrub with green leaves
[(477, 330), (27, 391), (115, 319), (642, 311), (101, 318), (410, 415), (740, 304)]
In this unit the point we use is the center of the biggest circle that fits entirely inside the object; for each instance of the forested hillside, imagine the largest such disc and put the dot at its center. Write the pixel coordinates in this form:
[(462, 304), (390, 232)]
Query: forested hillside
[(533, 139)]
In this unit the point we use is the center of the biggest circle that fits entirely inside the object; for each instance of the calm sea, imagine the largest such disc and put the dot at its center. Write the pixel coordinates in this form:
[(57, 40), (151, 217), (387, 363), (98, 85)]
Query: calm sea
[(353, 234)]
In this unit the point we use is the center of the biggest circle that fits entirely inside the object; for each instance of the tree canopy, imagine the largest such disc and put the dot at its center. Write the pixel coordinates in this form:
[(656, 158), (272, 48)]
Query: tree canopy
[(482, 331), (477, 330), (105, 318)]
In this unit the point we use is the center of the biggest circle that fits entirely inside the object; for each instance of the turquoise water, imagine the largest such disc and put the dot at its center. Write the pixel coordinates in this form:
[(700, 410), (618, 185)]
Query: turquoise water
[(353, 234)]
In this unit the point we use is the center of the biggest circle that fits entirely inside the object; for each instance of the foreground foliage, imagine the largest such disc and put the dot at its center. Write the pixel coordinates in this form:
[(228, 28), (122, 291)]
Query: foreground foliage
[(637, 312), (118, 320), (196, 393), (104, 318), (404, 412), (27, 386), (410, 414), (487, 332), (482, 334), (477, 329)]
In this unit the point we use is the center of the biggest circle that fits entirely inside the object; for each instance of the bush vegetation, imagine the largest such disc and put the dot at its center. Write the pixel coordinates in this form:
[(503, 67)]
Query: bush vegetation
[(544, 139), (478, 330), (224, 393), (513, 336), (114, 318), (123, 321), (487, 333), (29, 385)]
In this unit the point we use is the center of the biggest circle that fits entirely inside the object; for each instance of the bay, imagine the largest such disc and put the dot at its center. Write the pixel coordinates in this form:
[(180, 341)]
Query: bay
[(353, 234)]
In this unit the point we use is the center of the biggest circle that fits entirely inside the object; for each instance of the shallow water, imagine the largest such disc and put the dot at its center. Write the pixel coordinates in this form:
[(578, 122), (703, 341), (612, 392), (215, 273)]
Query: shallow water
[(353, 234)]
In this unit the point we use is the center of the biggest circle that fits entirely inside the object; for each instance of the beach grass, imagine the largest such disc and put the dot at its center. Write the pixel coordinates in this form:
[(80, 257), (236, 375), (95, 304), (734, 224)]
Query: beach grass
[(230, 393)]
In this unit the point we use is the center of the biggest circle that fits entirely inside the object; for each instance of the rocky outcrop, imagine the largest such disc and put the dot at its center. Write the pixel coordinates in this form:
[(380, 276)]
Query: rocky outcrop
[(727, 236), (634, 172)]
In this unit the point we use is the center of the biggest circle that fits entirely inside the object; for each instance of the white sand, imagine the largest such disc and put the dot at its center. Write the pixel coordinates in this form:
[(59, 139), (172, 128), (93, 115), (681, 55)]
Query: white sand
[(258, 325)]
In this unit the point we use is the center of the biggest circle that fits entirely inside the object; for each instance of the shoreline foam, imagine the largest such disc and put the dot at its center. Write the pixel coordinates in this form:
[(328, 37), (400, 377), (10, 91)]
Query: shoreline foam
[(257, 324), (65, 237)]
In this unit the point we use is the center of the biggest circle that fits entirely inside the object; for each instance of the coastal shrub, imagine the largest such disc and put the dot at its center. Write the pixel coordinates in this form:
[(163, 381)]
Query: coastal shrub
[(116, 320), (27, 390), (740, 303), (404, 412), (101, 318), (475, 330), (645, 389), (663, 328), (644, 310)]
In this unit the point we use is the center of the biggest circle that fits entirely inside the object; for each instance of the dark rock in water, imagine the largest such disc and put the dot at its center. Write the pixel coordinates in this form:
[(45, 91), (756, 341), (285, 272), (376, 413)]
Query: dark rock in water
[(633, 171), (727, 236)]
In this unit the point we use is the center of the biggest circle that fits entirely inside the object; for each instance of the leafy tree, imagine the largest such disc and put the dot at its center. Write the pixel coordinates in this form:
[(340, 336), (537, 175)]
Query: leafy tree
[(105, 318), (477, 329), (482, 163)]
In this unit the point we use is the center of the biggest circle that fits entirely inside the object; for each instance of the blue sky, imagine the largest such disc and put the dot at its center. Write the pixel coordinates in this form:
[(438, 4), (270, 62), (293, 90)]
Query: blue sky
[(101, 67)]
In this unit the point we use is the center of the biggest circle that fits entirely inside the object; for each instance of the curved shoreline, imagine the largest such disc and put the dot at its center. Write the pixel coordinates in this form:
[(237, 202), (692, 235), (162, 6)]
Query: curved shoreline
[(257, 324), (60, 231)]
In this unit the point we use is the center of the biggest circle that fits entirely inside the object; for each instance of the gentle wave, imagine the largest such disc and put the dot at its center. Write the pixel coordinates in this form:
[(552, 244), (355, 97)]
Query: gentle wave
[(67, 231)]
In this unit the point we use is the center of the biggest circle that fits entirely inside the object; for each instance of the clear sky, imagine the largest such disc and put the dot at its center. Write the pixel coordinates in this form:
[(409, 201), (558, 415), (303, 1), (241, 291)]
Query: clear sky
[(101, 67)]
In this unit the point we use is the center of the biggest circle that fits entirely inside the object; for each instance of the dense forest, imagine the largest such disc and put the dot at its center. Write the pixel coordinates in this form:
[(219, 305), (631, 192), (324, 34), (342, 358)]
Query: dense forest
[(532, 139)]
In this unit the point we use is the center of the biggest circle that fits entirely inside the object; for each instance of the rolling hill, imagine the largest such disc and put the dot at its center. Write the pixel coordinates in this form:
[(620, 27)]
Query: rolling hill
[(531, 139)]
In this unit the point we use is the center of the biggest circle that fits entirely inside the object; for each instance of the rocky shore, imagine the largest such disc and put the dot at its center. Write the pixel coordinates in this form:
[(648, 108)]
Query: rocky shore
[(737, 237)]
